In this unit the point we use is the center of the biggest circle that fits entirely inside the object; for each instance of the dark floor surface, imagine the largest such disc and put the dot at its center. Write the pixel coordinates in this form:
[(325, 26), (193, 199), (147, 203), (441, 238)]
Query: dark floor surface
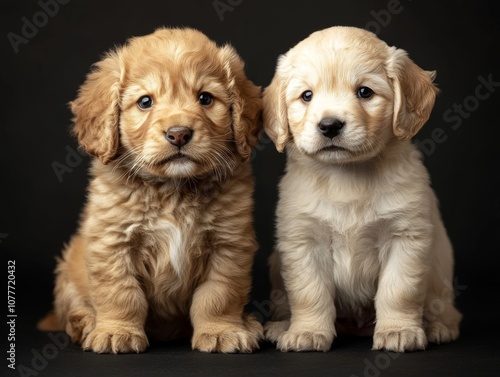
[(476, 353)]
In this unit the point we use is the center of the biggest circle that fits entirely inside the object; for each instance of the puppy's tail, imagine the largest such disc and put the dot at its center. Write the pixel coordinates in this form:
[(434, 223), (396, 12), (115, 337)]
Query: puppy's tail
[(49, 323)]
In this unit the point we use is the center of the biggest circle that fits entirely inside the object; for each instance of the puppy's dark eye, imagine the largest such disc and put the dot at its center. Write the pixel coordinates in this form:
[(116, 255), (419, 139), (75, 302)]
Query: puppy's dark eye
[(145, 102), (364, 92), (205, 99), (307, 96)]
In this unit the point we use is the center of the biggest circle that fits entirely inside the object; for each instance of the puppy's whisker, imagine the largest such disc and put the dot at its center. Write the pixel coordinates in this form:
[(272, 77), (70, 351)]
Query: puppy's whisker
[(138, 165), (121, 161), (222, 162)]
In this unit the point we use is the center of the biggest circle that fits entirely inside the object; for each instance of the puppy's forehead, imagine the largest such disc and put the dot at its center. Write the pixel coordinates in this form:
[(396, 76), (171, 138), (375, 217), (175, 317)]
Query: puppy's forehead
[(173, 57), (343, 49), (343, 37), (172, 42), (172, 47)]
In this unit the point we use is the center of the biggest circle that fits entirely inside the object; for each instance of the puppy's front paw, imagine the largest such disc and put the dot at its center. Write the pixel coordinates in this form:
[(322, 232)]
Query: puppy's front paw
[(79, 324), (273, 330), (232, 339), (304, 341), (400, 340), (102, 340), (254, 326), (438, 332)]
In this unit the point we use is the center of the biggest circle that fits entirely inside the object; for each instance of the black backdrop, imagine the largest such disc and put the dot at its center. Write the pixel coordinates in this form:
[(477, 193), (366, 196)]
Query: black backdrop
[(47, 50)]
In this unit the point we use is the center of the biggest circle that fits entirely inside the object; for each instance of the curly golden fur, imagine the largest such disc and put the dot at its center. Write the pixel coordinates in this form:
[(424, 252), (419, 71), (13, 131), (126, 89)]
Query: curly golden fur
[(166, 238)]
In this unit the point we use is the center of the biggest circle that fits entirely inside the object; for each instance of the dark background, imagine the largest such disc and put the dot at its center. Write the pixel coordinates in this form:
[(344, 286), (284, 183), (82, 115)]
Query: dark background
[(39, 210)]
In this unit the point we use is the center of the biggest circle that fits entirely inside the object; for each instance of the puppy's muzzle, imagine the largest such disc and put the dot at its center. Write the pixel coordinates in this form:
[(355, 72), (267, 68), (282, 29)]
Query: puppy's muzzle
[(330, 127), (179, 136)]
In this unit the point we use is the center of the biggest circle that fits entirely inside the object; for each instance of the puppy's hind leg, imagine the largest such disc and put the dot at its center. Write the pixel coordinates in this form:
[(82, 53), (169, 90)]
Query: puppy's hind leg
[(279, 298), (280, 309), (80, 322), (72, 307), (441, 318)]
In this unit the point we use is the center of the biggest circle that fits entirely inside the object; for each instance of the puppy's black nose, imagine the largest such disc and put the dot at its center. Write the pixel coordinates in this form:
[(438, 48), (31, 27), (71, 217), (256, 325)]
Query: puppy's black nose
[(330, 127), (179, 136)]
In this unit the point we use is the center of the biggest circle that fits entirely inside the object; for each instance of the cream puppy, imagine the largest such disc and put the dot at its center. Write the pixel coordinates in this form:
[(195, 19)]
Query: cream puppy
[(360, 240)]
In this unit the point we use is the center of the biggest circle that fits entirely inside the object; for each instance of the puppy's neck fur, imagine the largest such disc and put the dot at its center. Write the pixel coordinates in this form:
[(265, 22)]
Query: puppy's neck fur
[(394, 155), (205, 185)]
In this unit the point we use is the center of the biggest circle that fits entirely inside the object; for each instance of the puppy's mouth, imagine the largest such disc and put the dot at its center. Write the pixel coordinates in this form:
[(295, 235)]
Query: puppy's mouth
[(333, 148), (176, 157)]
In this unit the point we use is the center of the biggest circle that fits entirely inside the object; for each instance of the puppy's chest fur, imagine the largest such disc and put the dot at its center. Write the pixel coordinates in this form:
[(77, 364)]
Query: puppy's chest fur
[(352, 218), (167, 241), (165, 233), (353, 233)]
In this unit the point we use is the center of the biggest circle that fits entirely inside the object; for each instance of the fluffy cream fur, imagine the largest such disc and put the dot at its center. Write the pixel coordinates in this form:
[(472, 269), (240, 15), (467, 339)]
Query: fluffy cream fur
[(359, 235), (166, 238)]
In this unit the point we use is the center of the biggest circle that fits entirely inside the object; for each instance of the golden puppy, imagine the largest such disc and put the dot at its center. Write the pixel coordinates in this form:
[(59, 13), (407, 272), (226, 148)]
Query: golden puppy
[(359, 235), (166, 235)]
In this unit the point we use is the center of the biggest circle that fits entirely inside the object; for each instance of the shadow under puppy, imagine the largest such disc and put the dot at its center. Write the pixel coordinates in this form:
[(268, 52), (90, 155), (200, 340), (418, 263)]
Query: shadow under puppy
[(360, 240), (166, 237)]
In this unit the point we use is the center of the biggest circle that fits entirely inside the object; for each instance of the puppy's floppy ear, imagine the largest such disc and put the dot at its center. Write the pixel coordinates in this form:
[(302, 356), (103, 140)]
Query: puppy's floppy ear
[(96, 109), (246, 103), (275, 116), (414, 93)]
